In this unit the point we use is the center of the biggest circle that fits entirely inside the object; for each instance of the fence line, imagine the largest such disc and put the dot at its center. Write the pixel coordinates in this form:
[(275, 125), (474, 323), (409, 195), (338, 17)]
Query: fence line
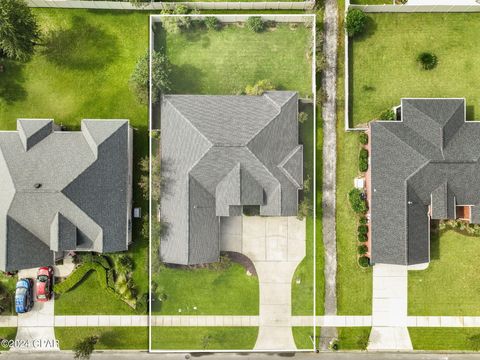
[(124, 5), (406, 8)]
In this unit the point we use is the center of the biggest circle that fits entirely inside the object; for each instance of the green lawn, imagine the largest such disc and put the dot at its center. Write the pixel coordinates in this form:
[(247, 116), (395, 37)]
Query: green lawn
[(111, 338), (89, 298), (384, 68), (82, 70), (204, 338), (371, 2), (213, 292), (349, 338), (9, 282), (226, 61), (7, 333), (466, 339), (449, 286), (303, 337), (354, 285)]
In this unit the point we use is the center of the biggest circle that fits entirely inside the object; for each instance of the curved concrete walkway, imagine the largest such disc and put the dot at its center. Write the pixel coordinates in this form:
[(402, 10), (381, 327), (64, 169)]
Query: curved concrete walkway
[(276, 246), (329, 84)]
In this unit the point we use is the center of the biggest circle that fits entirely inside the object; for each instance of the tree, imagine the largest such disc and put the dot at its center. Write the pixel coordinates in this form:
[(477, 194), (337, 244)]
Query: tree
[(355, 22), (161, 69), (259, 88), (19, 31), (85, 347), (255, 24)]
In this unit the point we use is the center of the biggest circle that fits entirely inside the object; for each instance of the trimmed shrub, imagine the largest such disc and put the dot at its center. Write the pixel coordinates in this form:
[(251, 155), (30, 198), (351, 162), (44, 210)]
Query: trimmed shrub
[(78, 274), (255, 24), (125, 263), (358, 204), (304, 209), (363, 261), (363, 138), (111, 278), (212, 23), (102, 260), (362, 237), (388, 114), (259, 88), (363, 220), (356, 22), (362, 229), (362, 249), (363, 160), (427, 60)]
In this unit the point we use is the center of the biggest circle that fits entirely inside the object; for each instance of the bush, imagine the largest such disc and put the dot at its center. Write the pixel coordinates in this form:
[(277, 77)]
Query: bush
[(212, 23), (255, 24), (125, 263), (363, 220), (259, 88), (84, 348), (362, 249), (78, 274), (251, 210), (363, 261), (363, 138), (427, 60), (362, 237), (363, 160), (358, 204), (356, 22), (111, 278), (362, 229), (388, 114), (302, 117), (304, 209)]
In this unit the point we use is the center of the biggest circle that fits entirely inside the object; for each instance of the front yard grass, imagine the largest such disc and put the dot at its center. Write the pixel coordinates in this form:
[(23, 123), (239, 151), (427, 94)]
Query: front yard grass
[(204, 338), (449, 286), (354, 284), (431, 338), (82, 70), (7, 333), (349, 338), (383, 66), (110, 338)]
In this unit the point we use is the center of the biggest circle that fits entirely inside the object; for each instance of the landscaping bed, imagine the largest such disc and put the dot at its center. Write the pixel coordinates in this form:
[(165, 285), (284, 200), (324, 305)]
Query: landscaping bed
[(448, 286), (384, 67), (204, 338)]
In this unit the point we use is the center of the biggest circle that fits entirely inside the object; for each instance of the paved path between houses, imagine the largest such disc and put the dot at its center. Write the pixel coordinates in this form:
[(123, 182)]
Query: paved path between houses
[(329, 84), (276, 246), (389, 308)]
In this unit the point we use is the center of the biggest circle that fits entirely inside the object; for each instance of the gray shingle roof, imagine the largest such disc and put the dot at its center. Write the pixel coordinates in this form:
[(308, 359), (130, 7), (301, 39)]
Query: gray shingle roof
[(60, 193), (430, 158), (219, 153)]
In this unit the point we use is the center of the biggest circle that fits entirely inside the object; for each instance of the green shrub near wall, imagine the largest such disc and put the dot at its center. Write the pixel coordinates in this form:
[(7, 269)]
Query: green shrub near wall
[(79, 273), (363, 160)]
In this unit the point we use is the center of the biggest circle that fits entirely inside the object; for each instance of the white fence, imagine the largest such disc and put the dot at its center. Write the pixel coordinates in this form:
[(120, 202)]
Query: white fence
[(206, 5), (406, 8), (308, 19)]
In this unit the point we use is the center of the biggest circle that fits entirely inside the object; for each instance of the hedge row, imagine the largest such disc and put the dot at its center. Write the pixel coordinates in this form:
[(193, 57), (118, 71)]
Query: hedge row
[(363, 160), (79, 273)]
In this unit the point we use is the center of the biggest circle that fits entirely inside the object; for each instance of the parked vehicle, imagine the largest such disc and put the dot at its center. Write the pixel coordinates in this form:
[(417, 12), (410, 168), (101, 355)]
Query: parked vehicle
[(24, 296), (44, 283)]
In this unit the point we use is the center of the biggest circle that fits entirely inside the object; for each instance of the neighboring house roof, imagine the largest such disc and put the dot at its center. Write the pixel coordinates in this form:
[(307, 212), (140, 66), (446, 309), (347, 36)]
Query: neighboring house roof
[(63, 190), (429, 159), (218, 154)]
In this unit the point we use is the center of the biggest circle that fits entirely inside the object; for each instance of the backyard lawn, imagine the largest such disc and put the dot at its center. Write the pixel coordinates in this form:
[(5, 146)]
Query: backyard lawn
[(111, 338), (226, 61), (431, 338), (354, 284), (449, 286), (204, 338), (383, 66), (82, 70)]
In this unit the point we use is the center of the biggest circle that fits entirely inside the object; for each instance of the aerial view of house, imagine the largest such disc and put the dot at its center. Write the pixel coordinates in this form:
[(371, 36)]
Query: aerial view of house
[(64, 191), (221, 153)]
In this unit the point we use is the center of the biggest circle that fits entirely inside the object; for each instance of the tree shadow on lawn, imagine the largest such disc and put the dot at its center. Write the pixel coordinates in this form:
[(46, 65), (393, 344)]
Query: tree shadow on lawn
[(11, 88), (81, 47), (186, 79)]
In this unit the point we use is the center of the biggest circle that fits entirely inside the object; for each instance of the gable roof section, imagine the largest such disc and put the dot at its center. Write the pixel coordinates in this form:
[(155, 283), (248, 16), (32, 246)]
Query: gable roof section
[(430, 158), (209, 143)]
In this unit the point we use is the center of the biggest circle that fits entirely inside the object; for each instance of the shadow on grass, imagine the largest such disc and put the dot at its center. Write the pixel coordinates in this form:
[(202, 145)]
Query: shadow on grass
[(370, 29), (434, 239), (11, 80), (81, 47), (186, 79)]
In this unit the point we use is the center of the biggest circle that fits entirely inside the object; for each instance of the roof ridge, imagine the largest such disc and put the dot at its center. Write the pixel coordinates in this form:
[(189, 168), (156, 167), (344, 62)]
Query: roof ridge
[(284, 161)]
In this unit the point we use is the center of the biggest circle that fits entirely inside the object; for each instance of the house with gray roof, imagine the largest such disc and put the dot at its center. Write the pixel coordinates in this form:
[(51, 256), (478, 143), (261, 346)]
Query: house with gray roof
[(424, 167), (218, 154), (64, 191)]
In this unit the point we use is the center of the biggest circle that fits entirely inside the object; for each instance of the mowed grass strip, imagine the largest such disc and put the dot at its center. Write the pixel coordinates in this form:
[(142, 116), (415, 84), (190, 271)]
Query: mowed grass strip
[(431, 338), (383, 66), (204, 338), (449, 286), (110, 338), (226, 61)]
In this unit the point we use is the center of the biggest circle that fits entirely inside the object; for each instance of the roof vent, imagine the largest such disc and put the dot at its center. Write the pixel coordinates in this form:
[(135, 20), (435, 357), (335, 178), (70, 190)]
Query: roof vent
[(37, 186)]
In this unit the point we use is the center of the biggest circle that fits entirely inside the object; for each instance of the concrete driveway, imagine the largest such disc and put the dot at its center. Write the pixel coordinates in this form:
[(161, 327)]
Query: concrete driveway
[(276, 246)]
